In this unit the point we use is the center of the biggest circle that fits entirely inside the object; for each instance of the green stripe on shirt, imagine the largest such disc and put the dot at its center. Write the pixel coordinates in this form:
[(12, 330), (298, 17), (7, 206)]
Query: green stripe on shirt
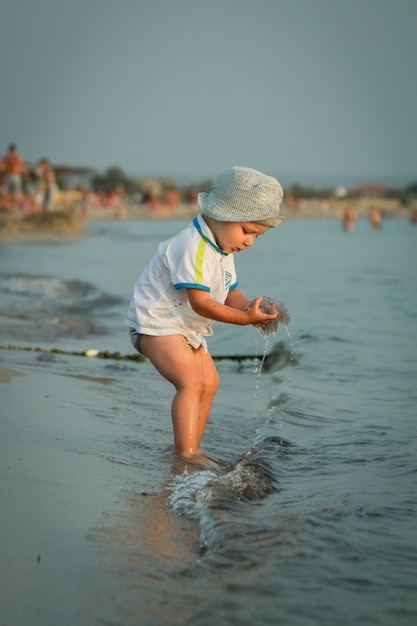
[(199, 264)]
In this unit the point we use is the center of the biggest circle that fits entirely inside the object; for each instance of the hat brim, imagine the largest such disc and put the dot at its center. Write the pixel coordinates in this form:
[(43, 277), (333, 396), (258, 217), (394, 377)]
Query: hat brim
[(217, 213)]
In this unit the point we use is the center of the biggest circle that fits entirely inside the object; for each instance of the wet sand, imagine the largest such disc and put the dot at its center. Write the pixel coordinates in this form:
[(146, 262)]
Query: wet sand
[(57, 488), (70, 519)]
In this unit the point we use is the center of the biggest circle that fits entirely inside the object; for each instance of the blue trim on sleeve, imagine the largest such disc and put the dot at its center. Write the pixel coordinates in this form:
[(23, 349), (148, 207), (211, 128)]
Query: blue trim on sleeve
[(191, 286), (234, 286)]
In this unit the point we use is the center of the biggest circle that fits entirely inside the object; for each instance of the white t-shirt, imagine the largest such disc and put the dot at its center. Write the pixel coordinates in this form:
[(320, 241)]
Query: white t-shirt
[(159, 305)]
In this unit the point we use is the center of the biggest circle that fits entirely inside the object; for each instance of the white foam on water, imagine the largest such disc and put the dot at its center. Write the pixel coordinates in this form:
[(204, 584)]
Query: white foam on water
[(33, 285), (245, 479), (190, 492)]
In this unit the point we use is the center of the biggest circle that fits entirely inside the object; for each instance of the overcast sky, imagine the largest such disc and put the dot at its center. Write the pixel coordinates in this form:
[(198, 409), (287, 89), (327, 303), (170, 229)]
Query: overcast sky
[(306, 90)]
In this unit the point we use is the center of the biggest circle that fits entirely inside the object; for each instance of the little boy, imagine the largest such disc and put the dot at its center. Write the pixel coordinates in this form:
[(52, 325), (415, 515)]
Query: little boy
[(191, 282)]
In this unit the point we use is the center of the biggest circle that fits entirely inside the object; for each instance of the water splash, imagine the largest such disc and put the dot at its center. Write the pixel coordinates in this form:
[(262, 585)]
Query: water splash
[(259, 363), (251, 477), (214, 498), (268, 305), (292, 358)]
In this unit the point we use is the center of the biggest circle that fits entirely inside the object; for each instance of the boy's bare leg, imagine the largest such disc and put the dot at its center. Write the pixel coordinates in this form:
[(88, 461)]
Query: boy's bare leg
[(211, 381), (195, 379)]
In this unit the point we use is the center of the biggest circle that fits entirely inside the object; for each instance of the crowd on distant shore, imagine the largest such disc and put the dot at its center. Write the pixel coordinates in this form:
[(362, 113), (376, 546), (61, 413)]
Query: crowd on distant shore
[(28, 189), (23, 188)]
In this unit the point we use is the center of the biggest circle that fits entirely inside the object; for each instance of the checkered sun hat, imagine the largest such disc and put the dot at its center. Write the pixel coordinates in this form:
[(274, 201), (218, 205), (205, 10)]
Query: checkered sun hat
[(241, 194)]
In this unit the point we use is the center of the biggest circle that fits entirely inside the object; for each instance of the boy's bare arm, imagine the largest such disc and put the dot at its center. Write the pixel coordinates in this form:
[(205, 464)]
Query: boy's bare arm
[(202, 303), (237, 300)]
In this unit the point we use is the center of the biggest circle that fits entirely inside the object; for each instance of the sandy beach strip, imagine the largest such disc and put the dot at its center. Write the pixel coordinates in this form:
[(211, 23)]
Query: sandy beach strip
[(74, 507), (56, 484)]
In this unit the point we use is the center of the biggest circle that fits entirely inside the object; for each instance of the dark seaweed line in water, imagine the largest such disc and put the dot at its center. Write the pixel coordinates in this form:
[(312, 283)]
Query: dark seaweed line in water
[(278, 353)]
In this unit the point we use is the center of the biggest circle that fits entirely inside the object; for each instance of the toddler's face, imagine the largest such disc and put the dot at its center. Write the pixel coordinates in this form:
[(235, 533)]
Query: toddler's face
[(236, 236)]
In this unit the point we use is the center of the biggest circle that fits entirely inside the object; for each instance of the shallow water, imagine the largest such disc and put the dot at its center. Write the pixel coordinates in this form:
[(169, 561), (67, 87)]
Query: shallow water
[(312, 519)]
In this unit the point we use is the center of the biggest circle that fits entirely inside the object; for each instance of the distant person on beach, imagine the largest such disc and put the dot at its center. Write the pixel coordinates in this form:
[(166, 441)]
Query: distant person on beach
[(375, 218), (350, 217), (191, 282), (47, 182), (14, 168)]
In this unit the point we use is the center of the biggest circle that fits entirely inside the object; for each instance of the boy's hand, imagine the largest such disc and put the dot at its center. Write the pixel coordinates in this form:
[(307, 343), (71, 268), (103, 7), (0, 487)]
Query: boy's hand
[(273, 312), (257, 316)]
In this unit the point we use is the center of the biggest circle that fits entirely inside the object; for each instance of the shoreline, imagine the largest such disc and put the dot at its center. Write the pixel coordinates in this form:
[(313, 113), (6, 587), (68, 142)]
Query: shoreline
[(62, 224)]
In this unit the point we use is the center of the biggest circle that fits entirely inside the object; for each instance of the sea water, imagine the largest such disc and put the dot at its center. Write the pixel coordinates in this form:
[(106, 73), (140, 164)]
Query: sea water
[(312, 519)]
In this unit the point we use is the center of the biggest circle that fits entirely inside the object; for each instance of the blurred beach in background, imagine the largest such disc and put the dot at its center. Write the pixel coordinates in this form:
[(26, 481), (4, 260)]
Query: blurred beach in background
[(71, 208), (62, 199)]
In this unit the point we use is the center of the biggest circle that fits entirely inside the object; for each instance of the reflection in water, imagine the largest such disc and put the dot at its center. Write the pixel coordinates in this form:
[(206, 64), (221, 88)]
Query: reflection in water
[(172, 549), (154, 552)]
